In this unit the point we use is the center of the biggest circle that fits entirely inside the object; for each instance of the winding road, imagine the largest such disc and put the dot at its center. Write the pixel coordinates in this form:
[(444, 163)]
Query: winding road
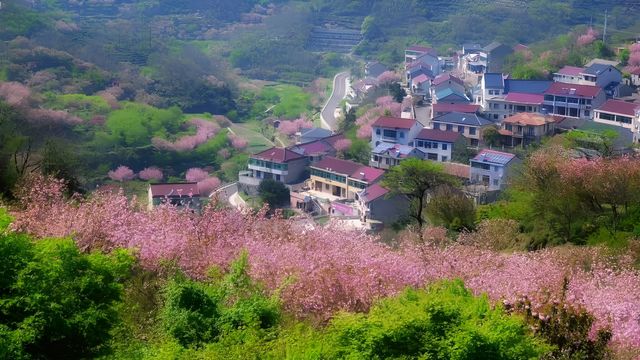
[(327, 115)]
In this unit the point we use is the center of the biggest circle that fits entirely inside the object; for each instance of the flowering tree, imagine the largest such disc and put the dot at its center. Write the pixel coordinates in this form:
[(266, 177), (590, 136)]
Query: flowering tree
[(587, 38), (48, 117), (385, 106), (342, 144), (237, 142), (14, 93), (387, 78), (151, 173), (334, 269), (196, 174), (122, 173), (209, 184), (290, 127), (205, 130)]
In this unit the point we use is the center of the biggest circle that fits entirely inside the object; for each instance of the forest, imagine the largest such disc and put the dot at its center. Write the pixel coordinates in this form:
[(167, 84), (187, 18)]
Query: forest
[(99, 99)]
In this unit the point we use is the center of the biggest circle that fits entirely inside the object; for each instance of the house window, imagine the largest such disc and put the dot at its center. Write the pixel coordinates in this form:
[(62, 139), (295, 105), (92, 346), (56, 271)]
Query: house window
[(445, 146), (401, 134), (495, 116), (432, 156), (460, 129), (472, 131), (377, 131), (326, 186), (505, 106), (495, 182), (389, 133), (445, 159), (548, 98), (587, 113), (449, 127)]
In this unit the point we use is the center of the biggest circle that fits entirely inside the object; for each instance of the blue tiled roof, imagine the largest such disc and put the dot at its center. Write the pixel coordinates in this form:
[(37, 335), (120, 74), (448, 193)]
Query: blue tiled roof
[(493, 157), (462, 119), (526, 86), (448, 92), (493, 81), (596, 69)]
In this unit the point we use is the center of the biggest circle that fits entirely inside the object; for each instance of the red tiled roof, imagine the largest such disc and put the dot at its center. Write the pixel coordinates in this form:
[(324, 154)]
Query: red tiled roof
[(505, 132), (458, 170), (620, 107), (318, 146), (373, 192), (563, 89), (175, 189), (462, 108), (279, 155), (532, 119), (446, 77), (571, 70), (422, 49), (394, 122), (438, 135), (520, 47), (523, 98), (349, 168), (420, 78)]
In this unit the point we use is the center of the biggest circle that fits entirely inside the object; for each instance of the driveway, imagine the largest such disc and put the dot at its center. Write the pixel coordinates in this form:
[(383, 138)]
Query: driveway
[(327, 116)]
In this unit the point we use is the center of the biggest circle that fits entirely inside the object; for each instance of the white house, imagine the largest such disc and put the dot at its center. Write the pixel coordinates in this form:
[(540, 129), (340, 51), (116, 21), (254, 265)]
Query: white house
[(394, 130), (491, 168), (620, 113), (438, 145)]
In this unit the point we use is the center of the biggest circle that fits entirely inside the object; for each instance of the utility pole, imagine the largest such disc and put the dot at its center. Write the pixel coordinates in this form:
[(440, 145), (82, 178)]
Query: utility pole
[(604, 32)]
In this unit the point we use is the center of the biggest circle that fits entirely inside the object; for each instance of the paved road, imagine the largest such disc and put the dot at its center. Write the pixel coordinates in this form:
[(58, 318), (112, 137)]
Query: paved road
[(339, 92)]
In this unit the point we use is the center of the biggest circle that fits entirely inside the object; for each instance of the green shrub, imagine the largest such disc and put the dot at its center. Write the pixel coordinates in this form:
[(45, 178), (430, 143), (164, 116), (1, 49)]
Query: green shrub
[(56, 302)]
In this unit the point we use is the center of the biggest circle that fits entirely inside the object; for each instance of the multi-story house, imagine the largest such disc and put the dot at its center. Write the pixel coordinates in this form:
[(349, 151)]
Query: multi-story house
[(501, 97), (445, 108), (386, 155), (420, 85), (620, 113), (572, 100), (522, 129), (606, 76), (496, 55), (318, 149), (342, 178), (394, 130), (421, 55), (279, 164), (376, 204), (443, 82), (491, 168), (468, 125), (438, 145)]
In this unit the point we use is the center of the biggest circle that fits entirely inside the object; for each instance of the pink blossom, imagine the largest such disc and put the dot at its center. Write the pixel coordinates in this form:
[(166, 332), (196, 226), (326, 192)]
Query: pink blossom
[(224, 153), (196, 174), (635, 47), (289, 128), (589, 37), (207, 185), (634, 59), (237, 142), (49, 117), (14, 93), (205, 130), (342, 144), (122, 173), (388, 77), (151, 173), (364, 131)]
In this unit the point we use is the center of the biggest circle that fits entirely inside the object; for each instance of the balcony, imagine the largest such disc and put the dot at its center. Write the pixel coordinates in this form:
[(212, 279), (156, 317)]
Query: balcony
[(268, 170)]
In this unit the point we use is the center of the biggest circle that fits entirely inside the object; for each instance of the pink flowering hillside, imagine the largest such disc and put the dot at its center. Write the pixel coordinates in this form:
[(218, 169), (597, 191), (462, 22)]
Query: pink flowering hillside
[(323, 270)]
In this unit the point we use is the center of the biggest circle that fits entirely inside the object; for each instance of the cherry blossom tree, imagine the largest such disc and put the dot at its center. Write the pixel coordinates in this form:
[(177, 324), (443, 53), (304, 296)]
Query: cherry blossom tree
[(14, 93), (122, 173), (237, 142), (387, 78), (290, 127), (205, 130), (342, 144), (209, 184), (151, 173), (196, 174), (587, 38)]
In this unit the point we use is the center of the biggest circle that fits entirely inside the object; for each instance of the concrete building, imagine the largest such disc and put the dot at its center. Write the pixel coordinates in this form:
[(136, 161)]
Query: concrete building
[(279, 164), (468, 125), (394, 130), (438, 145), (572, 100), (342, 178), (606, 76), (491, 168), (523, 129), (620, 113), (387, 155), (182, 195), (375, 204), (496, 55)]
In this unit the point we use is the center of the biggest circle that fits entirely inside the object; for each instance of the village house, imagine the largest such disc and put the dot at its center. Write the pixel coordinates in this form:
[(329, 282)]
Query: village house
[(523, 129), (491, 168), (394, 130), (572, 100), (374, 69), (635, 76), (342, 178), (496, 55), (420, 85), (386, 155), (318, 149), (280, 164), (450, 95), (181, 195), (376, 204), (421, 55), (445, 108), (501, 97), (619, 113), (468, 125), (606, 76), (438, 145), (311, 134), (446, 81)]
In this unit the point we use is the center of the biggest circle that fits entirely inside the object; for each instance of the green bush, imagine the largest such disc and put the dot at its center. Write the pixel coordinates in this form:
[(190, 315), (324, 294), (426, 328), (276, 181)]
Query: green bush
[(444, 322), (56, 302)]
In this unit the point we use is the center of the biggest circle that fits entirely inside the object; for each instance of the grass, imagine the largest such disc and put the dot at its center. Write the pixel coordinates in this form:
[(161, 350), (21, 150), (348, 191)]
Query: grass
[(290, 101), (250, 131), (78, 104)]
